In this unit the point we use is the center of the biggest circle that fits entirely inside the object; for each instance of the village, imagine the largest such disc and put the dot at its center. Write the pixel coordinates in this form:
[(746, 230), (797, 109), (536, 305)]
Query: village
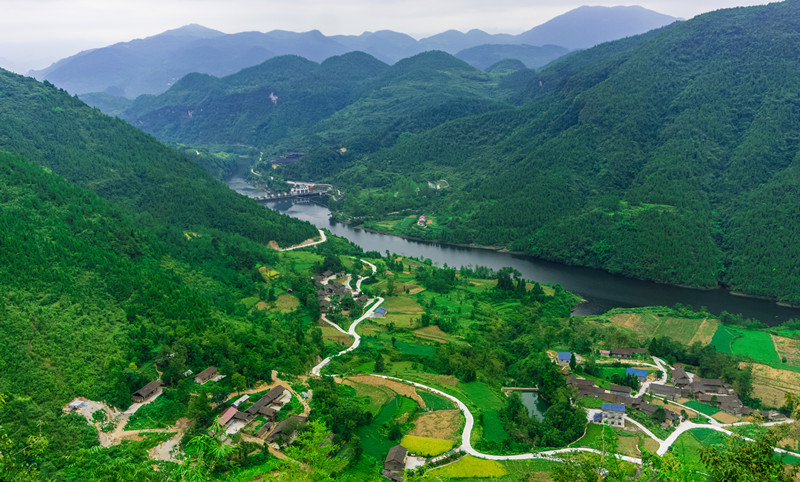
[(634, 393)]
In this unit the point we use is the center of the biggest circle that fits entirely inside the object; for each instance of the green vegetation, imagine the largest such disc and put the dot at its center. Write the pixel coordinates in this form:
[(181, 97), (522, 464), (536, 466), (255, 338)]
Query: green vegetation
[(701, 407), (757, 345), (161, 413), (435, 402)]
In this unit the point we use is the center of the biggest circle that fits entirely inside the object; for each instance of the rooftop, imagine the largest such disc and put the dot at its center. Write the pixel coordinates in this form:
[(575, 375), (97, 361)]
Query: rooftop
[(613, 407), (564, 355)]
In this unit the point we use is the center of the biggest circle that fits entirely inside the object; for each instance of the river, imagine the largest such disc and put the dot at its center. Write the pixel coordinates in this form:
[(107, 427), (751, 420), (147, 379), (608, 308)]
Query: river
[(601, 290)]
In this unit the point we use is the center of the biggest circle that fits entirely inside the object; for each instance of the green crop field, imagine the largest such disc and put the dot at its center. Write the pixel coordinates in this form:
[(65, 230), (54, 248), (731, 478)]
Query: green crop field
[(373, 441), (493, 430), (414, 349), (435, 402), (723, 339), (757, 345), (701, 407), (708, 437), (470, 466), (428, 447)]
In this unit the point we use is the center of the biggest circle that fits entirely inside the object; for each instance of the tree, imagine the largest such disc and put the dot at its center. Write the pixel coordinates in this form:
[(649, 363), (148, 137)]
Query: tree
[(12, 465), (238, 381), (380, 365), (742, 460), (660, 415), (311, 458), (572, 362), (207, 454)]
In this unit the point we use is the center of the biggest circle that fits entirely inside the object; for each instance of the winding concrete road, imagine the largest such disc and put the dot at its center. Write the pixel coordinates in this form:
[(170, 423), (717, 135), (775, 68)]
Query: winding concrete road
[(305, 245)]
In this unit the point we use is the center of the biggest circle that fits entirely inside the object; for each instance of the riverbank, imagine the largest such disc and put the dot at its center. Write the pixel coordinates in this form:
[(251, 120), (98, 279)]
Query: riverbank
[(338, 217)]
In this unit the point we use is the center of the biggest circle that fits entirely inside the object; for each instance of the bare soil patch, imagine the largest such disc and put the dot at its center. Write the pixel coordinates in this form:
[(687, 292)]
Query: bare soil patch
[(441, 424), (705, 332), (674, 408), (433, 333), (400, 388), (787, 347), (725, 417), (331, 333), (771, 384)]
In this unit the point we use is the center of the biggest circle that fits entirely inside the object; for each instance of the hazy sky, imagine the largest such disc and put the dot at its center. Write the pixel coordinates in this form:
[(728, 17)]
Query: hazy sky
[(34, 33)]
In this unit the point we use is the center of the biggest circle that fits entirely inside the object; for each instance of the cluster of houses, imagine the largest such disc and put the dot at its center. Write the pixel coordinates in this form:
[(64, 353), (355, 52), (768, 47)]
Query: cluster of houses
[(327, 290), (267, 406), (711, 391), (617, 399)]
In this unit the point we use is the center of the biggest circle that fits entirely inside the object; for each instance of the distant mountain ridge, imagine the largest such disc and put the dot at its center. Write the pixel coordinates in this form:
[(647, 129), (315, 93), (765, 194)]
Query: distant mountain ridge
[(151, 65)]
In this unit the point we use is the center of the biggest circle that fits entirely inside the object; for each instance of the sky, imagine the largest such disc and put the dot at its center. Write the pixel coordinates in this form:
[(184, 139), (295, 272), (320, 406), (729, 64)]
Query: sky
[(35, 33)]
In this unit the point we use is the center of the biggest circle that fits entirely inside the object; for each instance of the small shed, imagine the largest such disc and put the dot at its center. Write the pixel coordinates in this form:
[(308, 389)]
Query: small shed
[(604, 352), (147, 391), (241, 400)]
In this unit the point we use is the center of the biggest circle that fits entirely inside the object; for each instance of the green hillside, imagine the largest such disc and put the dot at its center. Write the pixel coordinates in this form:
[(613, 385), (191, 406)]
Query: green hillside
[(91, 301), (670, 156), (126, 166)]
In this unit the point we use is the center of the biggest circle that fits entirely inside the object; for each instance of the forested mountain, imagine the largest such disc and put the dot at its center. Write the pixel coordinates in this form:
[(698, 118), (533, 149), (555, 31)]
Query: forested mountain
[(116, 251), (586, 26), (126, 166), (153, 64), (484, 56), (670, 156), (353, 98)]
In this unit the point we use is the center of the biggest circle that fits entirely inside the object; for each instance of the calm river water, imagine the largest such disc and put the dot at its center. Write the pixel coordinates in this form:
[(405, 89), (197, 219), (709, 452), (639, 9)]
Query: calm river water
[(602, 291)]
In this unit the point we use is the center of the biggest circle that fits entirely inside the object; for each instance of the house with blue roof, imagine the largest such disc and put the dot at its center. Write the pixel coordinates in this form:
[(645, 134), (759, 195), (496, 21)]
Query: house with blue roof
[(564, 357), (379, 312), (614, 414), (637, 372)]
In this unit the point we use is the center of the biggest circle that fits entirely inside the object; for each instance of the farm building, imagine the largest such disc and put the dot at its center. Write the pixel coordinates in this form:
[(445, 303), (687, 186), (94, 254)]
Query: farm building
[(564, 357), (294, 420), (614, 414), (147, 391), (680, 378), (380, 312), (638, 373), (619, 389), (262, 405), (622, 352), (604, 352), (395, 463), (206, 375), (709, 386), (264, 430), (227, 416), (668, 391)]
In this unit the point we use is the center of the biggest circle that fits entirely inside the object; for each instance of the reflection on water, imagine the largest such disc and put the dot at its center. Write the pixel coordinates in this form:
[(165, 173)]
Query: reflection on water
[(536, 407), (602, 291)]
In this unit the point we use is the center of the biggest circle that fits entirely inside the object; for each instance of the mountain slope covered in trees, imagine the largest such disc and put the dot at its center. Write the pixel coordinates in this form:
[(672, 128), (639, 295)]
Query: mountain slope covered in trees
[(126, 166), (670, 156)]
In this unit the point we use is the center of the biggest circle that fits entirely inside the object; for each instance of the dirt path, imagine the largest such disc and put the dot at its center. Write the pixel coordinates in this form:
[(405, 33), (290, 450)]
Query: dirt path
[(307, 243), (166, 450)]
